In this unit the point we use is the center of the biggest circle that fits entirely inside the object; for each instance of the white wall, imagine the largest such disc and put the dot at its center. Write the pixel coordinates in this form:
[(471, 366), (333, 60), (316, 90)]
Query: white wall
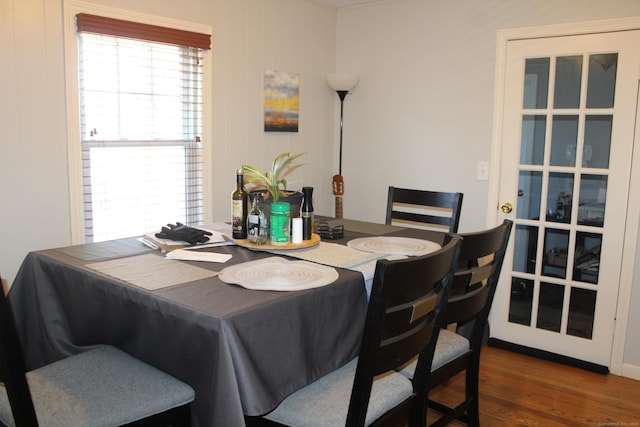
[(34, 201), (286, 35), (421, 115), (249, 36)]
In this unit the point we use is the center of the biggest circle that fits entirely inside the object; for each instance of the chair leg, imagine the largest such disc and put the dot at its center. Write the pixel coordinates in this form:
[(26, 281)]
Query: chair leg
[(418, 417), (473, 392), (473, 416), (467, 411)]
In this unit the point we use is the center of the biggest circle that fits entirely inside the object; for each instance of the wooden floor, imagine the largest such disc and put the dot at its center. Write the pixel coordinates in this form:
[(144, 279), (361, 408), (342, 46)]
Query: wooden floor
[(518, 390)]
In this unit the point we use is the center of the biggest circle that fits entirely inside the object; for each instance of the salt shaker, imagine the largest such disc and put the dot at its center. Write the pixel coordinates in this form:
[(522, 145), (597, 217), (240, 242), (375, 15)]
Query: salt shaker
[(296, 231)]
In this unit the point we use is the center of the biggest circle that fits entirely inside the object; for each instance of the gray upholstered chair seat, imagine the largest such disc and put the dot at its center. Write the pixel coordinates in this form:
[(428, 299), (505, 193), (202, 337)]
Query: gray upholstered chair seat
[(100, 387), (326, 401), (449, 346)]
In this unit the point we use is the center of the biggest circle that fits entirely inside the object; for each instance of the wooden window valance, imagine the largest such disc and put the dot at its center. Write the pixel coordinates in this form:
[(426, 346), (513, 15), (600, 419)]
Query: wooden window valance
[(136, 30)]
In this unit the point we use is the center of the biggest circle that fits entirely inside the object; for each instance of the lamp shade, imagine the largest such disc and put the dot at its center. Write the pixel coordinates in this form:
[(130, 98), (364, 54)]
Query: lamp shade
[(342, 81)]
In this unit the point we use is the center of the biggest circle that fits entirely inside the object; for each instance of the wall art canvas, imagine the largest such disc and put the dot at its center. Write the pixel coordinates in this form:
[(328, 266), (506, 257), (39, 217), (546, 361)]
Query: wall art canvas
[(281, 101)]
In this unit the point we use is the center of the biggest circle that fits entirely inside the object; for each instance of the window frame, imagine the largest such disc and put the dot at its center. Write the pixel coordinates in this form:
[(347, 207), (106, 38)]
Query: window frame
[(74, 143)]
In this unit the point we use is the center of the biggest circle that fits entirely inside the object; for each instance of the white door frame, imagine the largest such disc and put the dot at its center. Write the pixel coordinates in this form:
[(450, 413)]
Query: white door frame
[(633, 208)]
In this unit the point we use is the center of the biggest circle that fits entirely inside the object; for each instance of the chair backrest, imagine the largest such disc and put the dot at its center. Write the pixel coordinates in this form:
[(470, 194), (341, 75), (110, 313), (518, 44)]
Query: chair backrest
[(12, 369), (438, 209), (404, 316), (476, 277)]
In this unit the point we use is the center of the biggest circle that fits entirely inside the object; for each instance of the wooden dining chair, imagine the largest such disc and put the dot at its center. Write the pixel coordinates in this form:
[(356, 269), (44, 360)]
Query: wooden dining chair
[(100, 387), (472, 292), (405, 308), (435, 209)]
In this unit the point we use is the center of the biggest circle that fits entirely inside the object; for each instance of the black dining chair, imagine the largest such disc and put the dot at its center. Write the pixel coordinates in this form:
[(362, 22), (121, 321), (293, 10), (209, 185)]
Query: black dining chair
[(432, 209), (99, 387), (472, 291), (405, 308)]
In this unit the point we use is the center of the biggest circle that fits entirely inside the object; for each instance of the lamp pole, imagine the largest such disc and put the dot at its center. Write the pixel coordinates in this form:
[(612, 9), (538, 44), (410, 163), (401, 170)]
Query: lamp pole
[(342, 84), (342, 94)]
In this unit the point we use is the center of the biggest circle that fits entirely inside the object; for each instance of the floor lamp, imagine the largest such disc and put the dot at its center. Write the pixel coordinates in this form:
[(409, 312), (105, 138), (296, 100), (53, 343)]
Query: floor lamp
[(342, 84)]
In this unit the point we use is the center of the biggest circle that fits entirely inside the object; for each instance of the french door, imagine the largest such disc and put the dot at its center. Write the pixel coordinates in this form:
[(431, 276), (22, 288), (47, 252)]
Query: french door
[(567, 140)]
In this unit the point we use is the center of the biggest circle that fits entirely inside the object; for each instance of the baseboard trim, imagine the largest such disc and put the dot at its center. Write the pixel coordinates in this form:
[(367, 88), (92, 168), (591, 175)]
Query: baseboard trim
[(546, 355), (630, 371)]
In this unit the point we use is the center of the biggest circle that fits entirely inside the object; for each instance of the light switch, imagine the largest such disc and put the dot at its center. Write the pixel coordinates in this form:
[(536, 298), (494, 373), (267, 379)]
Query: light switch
[(483, 171)]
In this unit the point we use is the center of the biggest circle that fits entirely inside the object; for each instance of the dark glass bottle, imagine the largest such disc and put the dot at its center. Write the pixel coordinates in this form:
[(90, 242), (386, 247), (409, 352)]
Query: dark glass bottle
[(257, 224), (306, 212), (239, 208)]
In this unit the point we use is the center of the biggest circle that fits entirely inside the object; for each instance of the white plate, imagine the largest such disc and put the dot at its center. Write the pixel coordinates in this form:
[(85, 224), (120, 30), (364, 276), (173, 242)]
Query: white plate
[(394, 245), (278, 274)]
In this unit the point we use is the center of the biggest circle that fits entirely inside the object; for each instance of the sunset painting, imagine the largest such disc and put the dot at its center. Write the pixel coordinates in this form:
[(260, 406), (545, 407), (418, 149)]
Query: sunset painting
[(281, 101)]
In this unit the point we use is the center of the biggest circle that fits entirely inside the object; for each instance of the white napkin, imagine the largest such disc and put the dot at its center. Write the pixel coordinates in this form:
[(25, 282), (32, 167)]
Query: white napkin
[(190, 255)]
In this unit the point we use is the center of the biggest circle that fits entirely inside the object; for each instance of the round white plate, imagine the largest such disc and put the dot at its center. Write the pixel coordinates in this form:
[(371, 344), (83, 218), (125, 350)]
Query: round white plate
[(278, 274), (394, 245)]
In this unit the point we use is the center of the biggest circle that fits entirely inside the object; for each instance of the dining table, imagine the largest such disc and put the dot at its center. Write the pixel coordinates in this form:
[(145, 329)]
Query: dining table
[(242, 348)]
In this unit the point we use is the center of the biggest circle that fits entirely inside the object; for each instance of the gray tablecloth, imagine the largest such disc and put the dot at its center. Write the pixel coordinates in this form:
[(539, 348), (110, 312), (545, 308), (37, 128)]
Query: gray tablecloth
[(242, 351)]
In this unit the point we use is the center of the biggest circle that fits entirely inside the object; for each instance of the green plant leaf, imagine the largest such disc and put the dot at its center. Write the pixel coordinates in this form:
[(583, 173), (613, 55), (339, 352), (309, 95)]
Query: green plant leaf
[(271, 180), (282, 161), (255, 175)]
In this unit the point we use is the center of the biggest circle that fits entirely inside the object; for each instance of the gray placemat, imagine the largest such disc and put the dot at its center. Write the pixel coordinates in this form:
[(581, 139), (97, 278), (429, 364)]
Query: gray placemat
[(332, 254), (150, 271), (102, 250), (364, 227)]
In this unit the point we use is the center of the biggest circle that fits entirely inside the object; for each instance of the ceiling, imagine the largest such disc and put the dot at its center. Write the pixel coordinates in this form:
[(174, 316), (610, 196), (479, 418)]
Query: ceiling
[(343, 3)]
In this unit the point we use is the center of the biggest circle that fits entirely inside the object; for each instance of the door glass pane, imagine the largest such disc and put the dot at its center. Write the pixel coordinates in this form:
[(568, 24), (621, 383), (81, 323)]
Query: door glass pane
[(602, 80), (567, 83), (550, 304), (582, 306), (532, 141), (536, 83), (529, 195), (521, 301), (556, 243), (593, 194), (564, 139), (597, 141), (587, 257), (559, 199), (525, 249)]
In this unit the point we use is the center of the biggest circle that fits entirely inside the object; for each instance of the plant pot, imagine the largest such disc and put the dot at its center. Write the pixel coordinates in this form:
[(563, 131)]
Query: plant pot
[(292, 197)]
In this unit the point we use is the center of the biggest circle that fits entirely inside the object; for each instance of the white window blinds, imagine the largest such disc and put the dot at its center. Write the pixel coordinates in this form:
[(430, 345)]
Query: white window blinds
[(141, 127)]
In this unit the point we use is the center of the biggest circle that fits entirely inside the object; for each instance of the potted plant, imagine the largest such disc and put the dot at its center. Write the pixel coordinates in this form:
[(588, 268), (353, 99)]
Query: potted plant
[(273, 184)]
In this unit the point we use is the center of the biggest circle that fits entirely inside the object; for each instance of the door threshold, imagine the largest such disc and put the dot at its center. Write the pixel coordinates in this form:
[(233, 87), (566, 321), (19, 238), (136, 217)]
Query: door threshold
[(546, 355)]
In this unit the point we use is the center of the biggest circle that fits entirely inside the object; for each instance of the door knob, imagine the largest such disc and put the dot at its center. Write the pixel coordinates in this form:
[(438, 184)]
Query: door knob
[(506, 208)]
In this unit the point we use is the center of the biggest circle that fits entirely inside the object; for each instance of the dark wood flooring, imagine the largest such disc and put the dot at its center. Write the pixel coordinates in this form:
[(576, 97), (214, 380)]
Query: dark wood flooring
[(518, 390)]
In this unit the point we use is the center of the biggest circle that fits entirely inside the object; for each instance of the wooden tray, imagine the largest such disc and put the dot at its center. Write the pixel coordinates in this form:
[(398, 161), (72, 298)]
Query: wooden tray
[(315, 239)]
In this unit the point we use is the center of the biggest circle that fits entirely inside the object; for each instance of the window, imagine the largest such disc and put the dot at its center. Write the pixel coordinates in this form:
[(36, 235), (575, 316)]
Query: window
[(140, 91)]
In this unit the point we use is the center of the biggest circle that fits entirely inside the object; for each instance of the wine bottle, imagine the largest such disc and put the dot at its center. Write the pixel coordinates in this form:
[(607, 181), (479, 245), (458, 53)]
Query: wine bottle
[(257, 224), (306, 212), (239, 208)]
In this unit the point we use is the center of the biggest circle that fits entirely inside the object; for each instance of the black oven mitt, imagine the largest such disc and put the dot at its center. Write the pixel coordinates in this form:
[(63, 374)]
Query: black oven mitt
[(183, 233)]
